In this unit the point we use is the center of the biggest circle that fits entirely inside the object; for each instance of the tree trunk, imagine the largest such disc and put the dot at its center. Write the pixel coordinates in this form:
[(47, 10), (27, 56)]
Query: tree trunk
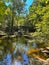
[(12, 21)]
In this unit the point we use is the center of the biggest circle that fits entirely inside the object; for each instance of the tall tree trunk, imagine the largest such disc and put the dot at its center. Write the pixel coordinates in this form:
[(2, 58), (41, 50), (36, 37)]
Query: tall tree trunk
[(12, 24), (12, 21)]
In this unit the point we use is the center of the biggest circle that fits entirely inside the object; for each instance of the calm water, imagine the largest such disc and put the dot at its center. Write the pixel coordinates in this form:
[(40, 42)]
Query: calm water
[(13, 51)]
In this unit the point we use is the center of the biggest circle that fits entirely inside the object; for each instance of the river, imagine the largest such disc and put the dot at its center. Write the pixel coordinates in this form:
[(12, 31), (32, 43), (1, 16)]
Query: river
[(13, 51)]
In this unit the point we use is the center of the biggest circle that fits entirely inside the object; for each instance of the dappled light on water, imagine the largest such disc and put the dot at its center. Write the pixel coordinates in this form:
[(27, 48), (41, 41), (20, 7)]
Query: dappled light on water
[(14, 51)]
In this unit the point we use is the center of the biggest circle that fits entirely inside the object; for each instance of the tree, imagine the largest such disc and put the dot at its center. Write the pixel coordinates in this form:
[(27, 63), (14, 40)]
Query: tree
[(39, 16), (2, 11), (16, 7)]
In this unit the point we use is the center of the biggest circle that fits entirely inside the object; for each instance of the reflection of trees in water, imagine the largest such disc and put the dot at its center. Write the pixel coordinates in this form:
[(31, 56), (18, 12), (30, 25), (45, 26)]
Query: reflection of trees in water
[(14, 48), (8, 50), (7, 46)]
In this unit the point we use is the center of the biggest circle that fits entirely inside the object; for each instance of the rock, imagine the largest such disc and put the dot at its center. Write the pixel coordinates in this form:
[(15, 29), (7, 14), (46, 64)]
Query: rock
[(46, 62), (40, 62), (36, 61), (41, 50), (47, 48), (45, 51), (2, 33)]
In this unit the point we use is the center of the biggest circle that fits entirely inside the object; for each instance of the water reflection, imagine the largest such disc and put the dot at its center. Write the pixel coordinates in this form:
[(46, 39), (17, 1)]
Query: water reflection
[(34, 45), (13, 52), (7, 60), (25, 58)]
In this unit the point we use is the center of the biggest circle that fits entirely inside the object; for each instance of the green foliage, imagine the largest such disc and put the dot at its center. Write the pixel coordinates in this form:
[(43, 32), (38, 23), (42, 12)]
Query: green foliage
[(14, 9), (39, 14), (2, 11), (16, 5)]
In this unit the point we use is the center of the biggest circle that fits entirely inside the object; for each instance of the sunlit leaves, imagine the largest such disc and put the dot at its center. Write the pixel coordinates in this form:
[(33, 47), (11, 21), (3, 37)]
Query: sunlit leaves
[(39, 16), (2, 10), (8, 11), (2, 7)]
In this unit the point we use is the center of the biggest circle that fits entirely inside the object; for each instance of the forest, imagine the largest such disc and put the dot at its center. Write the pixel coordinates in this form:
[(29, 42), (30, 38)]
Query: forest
[(28, 27)]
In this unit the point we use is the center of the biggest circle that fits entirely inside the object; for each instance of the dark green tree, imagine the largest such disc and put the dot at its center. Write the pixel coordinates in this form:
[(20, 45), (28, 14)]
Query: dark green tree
[(16, 7), (39, 16)]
